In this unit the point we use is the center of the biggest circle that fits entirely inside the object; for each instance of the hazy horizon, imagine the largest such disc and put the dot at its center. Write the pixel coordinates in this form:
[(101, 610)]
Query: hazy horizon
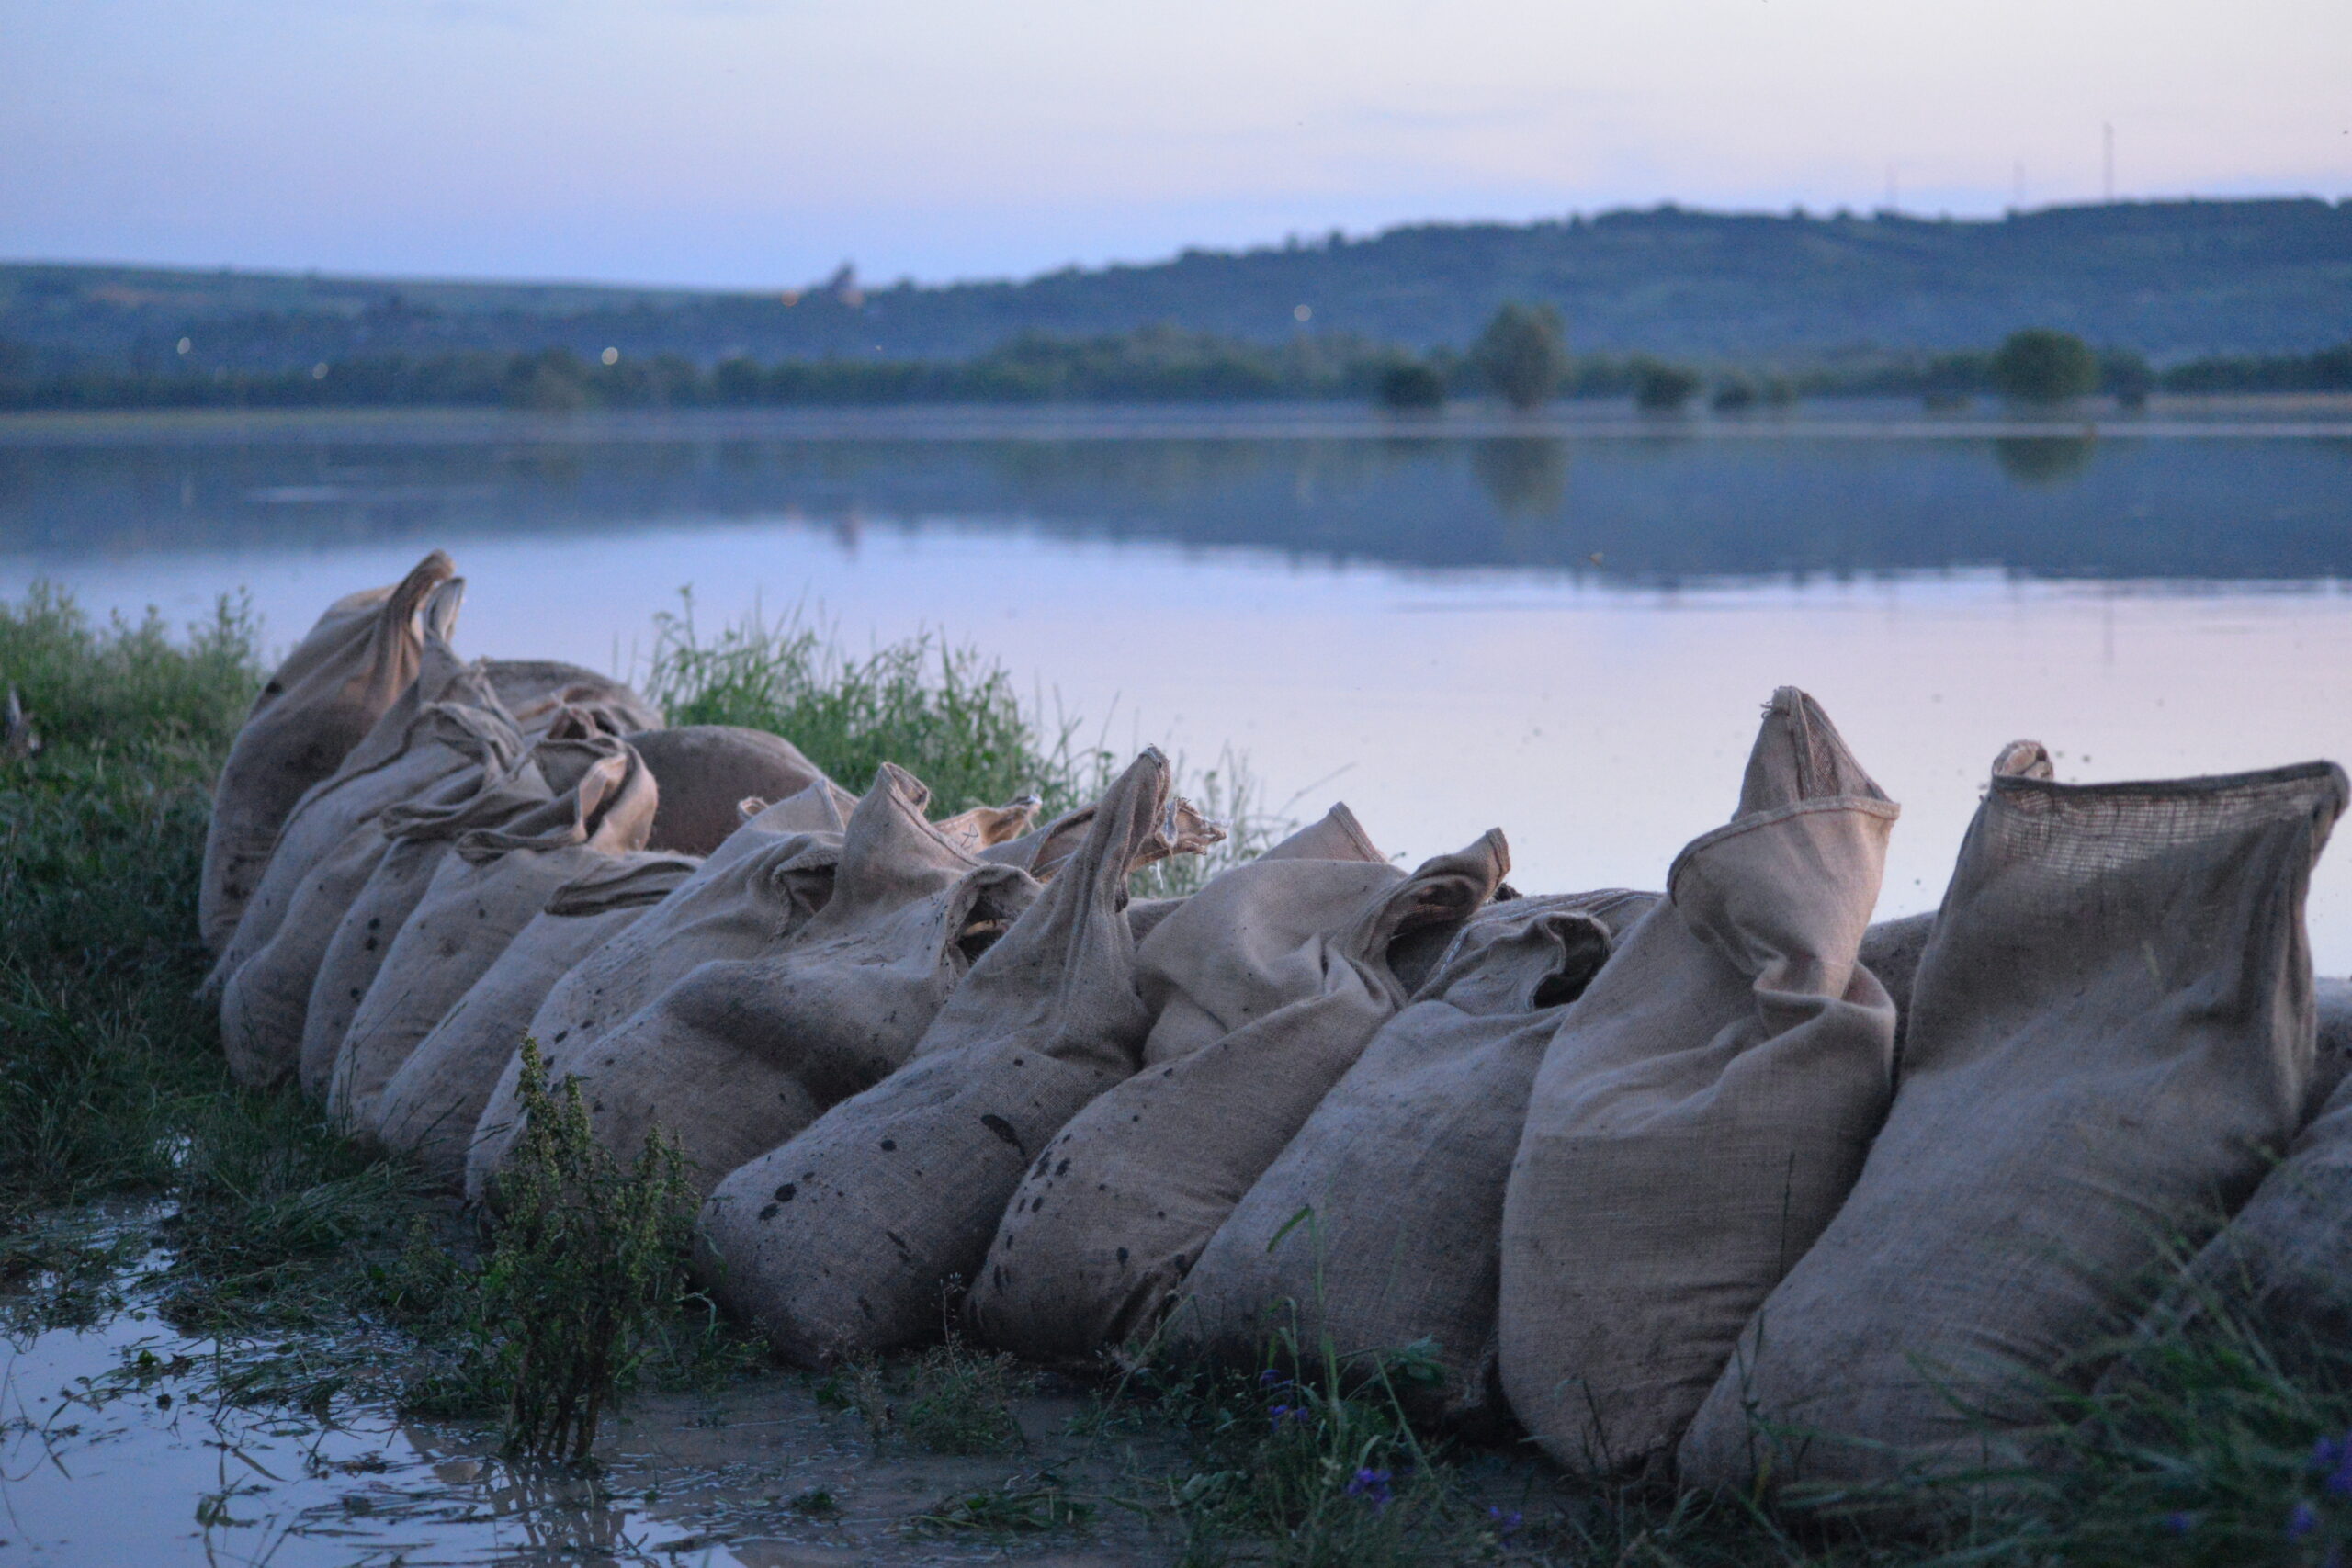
[(378, 275), (748, 143)]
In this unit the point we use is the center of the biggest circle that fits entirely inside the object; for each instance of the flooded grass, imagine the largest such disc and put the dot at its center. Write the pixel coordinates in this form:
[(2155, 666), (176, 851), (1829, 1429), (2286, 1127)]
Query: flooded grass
[(236, 1338)]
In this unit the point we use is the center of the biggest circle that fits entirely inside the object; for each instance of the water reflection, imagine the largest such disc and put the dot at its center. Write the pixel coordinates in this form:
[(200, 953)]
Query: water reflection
[(2043, 459), (2054, 506), (1526, 476)]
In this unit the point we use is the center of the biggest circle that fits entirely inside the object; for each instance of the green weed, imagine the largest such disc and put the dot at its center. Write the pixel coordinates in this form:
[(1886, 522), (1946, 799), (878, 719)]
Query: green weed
[(942, 711), (2227, 1439), (589, 1256), (962, 1398), (951, 1399), (1020, 1504)]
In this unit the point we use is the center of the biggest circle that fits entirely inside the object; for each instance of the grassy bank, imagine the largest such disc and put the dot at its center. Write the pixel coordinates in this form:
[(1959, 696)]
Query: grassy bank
[(336, 1277)]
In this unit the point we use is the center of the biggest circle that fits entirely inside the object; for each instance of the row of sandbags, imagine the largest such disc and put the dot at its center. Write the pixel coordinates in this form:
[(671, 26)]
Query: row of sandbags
[(1718, 1183)]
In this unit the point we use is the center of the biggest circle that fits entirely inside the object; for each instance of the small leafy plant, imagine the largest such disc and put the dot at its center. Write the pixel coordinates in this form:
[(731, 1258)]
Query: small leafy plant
[(589, 1255)]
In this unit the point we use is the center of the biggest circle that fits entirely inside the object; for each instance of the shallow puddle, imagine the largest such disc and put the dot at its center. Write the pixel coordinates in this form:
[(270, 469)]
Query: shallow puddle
[(117, 1447)]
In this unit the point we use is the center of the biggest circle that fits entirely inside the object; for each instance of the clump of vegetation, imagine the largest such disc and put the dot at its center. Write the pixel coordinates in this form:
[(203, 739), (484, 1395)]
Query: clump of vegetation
[(2042, 366), (588, 1255), (962, 1400), (951, 1399), (1313, 1453), (2226, 1438), (1523, 353), (1410, 386), (1661, 388), (942, 711), (105, 1055), (1020, 1504), (945, 712)]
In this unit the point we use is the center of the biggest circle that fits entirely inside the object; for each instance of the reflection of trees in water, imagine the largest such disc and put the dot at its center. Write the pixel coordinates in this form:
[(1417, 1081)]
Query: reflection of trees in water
[(2043, 459), (1526, 476), (1658, 508)]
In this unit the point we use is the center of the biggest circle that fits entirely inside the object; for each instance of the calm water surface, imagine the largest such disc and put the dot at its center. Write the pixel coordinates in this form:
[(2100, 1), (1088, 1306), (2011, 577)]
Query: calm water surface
[(1564, 635)]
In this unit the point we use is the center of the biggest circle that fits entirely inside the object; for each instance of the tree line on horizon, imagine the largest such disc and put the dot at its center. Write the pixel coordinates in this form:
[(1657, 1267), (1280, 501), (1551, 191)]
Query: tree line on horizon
[(1522, 357), (2174, 279)]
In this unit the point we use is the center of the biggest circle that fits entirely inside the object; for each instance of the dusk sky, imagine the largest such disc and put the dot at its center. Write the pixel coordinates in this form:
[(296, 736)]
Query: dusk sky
[(758, 143)]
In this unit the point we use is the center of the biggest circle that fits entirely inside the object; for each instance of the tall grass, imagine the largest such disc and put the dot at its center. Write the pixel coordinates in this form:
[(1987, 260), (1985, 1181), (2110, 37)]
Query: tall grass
[(946, 712), (104, 1054), (942, 711)]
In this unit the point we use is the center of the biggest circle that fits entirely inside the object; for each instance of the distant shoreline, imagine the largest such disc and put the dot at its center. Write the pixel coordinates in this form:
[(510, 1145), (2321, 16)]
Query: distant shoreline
[(2314, 416)]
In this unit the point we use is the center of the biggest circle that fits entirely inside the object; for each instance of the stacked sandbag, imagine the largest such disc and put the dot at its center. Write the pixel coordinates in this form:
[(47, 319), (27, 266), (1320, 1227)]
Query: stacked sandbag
[(489, 885), (1269, 982), (264, 1008), (983, 827), (740, 1055), (272, 962), (704, 772), (1892, 948), (1701, 1111), (2111, 1036), (843, 1241), (2285, 1258), (1378, 1226), (315, 708), (397, 761), (429, 1108), (533, 689), (1041, 852), (752, 894), (418, 838), (1254, 946)]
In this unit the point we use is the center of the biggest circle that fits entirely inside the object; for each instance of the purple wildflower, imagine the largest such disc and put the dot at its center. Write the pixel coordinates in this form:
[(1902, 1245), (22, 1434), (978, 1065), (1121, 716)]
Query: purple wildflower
[(1372, 1485), (1270, 1377), (1282, 1414), (2301, 1520), (1505, 1523), (2181, 1523)]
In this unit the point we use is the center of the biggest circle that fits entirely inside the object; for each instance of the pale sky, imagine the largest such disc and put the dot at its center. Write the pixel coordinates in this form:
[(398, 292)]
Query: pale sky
[(761, 141)]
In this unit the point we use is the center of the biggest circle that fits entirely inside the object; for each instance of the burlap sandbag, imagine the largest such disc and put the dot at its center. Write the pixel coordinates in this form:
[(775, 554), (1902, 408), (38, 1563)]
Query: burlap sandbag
[(1701, 1111), (1286, 962), (704, 771), (531, 688), (843, 1242), (266, 1003), (1892, 948), (413, 747), (2286, 1258), (315, 708), (2332, 999), (418, 838), (431, 1105), (1334, 836), (2112, 1025), (1248, 943), (1043, 851), (765, 882), (740, 1054), (1379, 1225), (491, 885)]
